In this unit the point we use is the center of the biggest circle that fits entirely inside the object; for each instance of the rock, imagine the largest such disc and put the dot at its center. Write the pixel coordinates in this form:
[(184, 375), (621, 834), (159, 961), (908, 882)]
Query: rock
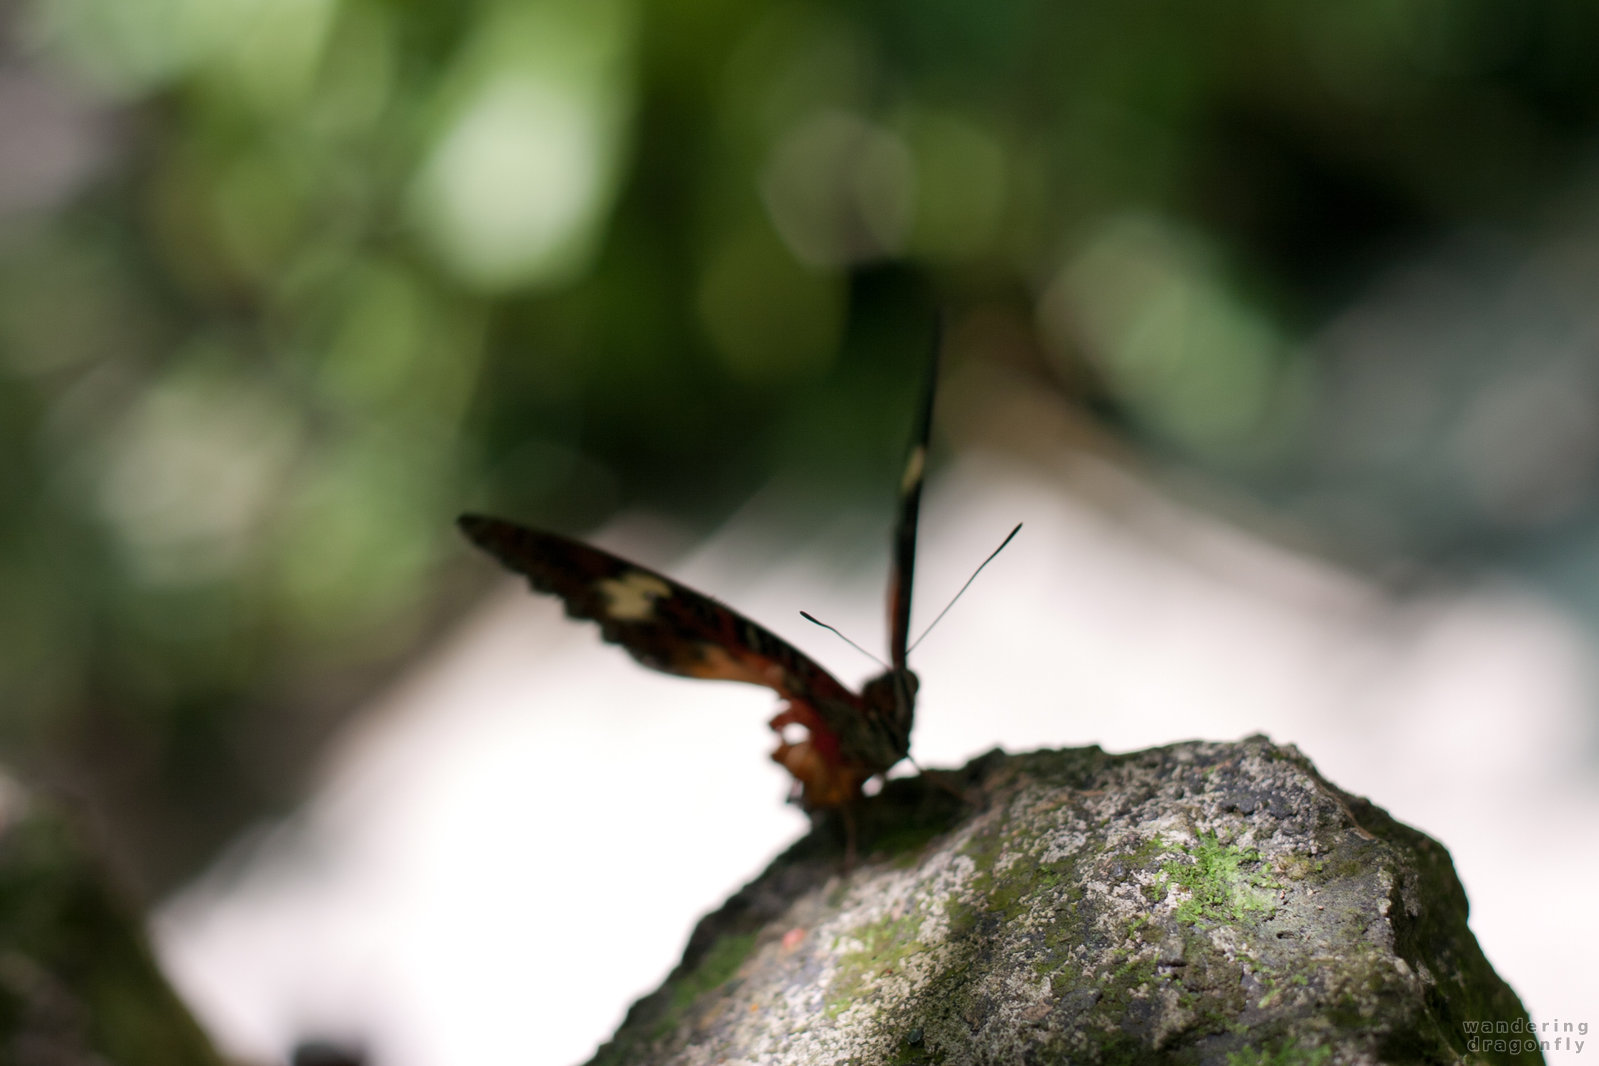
[(1199, 903), (78, 983)]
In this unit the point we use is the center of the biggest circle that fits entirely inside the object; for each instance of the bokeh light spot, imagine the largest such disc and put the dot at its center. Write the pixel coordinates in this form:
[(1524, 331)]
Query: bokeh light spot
[(1145, 301), (768, 315), (196, 466), (517, 184), (961, 179), (840, 189)]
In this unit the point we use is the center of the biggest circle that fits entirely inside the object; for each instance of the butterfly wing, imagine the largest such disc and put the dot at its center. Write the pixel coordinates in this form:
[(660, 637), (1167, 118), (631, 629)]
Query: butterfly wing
[(888, 701), (671, 628), (661, 623), (910, 505)]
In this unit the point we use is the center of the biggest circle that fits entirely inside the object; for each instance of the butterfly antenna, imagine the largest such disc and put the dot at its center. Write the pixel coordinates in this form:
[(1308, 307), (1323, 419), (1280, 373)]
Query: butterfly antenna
[(964, 587), (812, 618)]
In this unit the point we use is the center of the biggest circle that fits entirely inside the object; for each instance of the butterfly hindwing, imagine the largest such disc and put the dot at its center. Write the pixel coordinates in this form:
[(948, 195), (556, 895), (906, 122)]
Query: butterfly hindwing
[(665, 625)]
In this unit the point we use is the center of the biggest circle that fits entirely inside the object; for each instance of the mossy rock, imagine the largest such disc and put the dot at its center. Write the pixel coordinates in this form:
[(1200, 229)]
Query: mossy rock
[(1200, 903)]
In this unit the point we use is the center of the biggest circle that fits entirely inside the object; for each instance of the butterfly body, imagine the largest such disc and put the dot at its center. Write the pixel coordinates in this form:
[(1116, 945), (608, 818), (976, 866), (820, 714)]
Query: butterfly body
[(848, 737)]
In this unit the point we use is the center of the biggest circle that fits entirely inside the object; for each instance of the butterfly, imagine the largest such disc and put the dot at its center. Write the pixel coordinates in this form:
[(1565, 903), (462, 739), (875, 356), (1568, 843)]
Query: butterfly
[(848, 738)]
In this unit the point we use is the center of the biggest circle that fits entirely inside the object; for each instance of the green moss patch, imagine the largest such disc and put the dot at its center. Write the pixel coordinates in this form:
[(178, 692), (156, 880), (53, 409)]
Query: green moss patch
[(1218, 886), (883, 946), (1291, 1053), (715, 969)]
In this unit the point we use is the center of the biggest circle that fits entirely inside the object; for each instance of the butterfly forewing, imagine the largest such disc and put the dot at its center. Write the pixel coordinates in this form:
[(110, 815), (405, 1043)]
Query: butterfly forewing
[(665, 625), (902, 576)]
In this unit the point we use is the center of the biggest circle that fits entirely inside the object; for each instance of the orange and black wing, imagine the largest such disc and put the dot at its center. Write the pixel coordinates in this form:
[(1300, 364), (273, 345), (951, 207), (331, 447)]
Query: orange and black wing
[(663, 624)]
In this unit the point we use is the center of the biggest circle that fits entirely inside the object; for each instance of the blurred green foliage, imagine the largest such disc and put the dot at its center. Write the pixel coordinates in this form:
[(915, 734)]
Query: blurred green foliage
[(78, 983), (343, 266)]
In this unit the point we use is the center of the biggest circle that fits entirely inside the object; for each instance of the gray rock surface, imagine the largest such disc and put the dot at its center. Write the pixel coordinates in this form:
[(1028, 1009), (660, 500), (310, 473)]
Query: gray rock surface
[(1199, 903)]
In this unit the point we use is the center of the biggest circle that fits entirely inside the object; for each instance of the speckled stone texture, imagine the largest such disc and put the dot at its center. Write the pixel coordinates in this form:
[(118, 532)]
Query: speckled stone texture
[(1199, 903)]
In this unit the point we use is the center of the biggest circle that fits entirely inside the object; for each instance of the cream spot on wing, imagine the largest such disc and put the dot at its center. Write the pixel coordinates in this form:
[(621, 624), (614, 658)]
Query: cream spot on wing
[(913, 469), (631, 597)]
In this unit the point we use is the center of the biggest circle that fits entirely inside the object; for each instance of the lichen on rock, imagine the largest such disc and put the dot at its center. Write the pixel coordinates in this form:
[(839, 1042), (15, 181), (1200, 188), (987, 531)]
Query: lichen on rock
[(1198, 903)]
